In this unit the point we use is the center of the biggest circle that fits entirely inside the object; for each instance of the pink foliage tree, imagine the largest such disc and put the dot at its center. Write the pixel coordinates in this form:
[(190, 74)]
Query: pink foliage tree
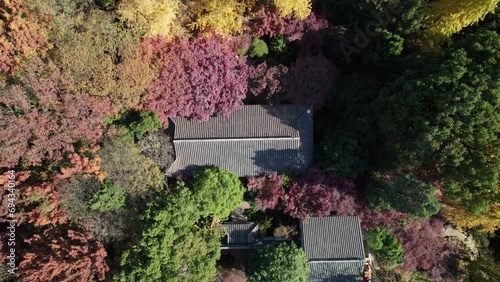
[(320, 194), (198, 78), (269, 188), (270, 22), (426, 249), (309, 200), (386, 218), (51, 114)]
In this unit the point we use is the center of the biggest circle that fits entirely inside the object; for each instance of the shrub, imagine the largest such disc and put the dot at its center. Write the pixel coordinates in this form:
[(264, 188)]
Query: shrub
[(279, 44), (148, 121), (385, 244), (258, 48), (283, 231)]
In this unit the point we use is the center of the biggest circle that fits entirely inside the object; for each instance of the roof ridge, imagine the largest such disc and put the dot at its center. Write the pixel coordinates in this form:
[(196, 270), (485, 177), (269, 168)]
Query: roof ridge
[(336, 260), (236, 139)]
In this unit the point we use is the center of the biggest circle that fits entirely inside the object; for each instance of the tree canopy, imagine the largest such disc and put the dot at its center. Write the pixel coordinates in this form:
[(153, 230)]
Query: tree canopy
[(278, 262), (404, 193), (23, 33), (52, 114), (198, 79), (217, 192), (446, 17), (128, 168), (171, 246), (449, 117), (151, 17)]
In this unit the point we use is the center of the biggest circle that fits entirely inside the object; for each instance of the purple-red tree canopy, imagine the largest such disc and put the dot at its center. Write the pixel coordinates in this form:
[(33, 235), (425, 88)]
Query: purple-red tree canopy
[(426, 248), (269, 189), (198, 78), (321, 194)]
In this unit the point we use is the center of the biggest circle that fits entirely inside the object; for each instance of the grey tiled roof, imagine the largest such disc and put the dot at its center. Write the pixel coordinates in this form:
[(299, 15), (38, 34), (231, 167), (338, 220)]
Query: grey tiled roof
[(334, 247), (240, 233), (252, 141), (332, 238), (336, 271)]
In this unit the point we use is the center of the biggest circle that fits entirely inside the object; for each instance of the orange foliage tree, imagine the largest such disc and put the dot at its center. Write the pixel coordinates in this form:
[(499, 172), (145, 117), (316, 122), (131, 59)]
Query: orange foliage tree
[(52, 116), (63, 254), (22, 33)]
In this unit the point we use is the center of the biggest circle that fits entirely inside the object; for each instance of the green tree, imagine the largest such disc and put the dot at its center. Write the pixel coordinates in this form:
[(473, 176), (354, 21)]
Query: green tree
[(485, 268), (385, 245), (218, 192), (171, 247), (349, 130), (278, 263), (258, 48), (109, 197), (402, 17), (147, 122), (403, 193), (385, 45), (449, 116)]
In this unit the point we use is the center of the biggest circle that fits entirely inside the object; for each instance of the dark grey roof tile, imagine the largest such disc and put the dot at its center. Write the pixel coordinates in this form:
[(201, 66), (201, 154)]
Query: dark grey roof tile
[(336, 271), (252, 141), (240, 233), (332, 238)]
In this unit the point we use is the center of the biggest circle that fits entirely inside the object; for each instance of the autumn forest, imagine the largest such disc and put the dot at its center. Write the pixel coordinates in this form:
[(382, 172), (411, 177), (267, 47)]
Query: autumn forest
[(406, 103)]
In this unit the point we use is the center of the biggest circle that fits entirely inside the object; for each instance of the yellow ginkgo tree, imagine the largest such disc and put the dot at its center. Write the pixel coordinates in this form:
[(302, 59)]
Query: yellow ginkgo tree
[(487, 222), (150, 17), (446, 17), (222, 17), (299, 8)]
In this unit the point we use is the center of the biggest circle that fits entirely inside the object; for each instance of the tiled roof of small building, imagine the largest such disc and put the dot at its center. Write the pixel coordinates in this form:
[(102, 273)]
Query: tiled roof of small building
[(240, 233), (334, 247), (333, 237)]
